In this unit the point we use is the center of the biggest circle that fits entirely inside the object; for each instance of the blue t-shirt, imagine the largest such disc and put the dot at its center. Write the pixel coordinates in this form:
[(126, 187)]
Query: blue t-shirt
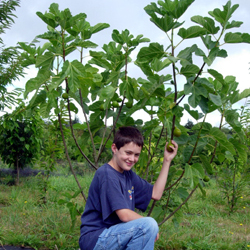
[(111, 190)]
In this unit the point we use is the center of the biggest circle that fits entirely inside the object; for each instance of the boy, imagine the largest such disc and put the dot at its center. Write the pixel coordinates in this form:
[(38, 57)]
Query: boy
[(109, 221)]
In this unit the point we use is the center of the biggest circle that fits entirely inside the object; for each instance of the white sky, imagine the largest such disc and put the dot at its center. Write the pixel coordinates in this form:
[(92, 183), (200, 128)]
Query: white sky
[(130, 14)]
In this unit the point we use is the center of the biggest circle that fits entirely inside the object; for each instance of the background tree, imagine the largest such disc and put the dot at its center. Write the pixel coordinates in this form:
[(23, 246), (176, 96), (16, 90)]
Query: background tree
[(10, 57), (20, 138)]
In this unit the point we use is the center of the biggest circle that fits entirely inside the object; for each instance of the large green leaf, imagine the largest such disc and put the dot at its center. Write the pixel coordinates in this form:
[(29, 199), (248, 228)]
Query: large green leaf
[(98, 27), (158, 65), (244, 94), (215, 52), (223, 16), (232, 117), (218, 135), (35, 83), (194, 113), (216, 99), (190, 70), (45, 61), (175, 8), (206, 164), (182, 192), (37, 99), (194, 100), (185, 55), (107, 92), (216, 75), (237, 37), (50, 21), (73, 107), (165, 23), (191, 32), (197, 91), (193, 173), (54, 9), (147, 54), (241, 149), (71, 71), (187, 153), (207, 23), (85, 44)]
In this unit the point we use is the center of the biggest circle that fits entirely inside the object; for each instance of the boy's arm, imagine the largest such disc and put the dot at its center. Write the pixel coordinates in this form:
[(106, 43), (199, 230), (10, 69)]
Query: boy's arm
[(126, 215), (160, 183)]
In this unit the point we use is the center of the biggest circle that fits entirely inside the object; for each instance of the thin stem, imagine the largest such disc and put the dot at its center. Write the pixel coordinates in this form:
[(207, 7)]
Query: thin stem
[(176, 181), (216, 143), (90, 134), (180, 206), (68, 158), (197, 139), (151, 209)]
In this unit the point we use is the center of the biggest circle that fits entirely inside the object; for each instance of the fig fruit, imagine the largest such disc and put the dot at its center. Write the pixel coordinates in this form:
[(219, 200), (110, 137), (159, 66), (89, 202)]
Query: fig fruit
[(169, 149), (129, 104), (65, 95), (101, 107), (177, 132), (206, 178), (115, 104)]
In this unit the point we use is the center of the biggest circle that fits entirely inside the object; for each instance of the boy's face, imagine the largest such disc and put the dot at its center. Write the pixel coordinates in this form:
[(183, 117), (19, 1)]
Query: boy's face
[(126, 157)]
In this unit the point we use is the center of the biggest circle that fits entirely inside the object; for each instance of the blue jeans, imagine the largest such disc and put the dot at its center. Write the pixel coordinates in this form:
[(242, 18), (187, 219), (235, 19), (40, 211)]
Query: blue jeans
[(137, 234)]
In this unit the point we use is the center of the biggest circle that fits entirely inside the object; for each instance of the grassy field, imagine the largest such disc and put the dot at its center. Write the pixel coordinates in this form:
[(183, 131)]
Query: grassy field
[(26, 221)]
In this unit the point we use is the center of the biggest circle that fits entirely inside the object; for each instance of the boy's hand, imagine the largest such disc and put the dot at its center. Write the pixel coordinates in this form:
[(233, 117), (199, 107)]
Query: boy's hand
[(169, 156), (157, 237)]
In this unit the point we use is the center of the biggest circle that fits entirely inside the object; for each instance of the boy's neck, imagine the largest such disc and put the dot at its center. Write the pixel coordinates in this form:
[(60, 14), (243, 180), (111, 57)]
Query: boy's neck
[(114, 166)]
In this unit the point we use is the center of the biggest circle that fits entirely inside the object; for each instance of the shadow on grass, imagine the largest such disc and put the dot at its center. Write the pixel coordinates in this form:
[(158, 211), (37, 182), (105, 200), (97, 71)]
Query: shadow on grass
[(15, 248)]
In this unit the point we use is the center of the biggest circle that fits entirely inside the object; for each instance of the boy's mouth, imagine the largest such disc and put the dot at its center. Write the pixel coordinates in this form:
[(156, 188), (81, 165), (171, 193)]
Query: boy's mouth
[(129, 163)]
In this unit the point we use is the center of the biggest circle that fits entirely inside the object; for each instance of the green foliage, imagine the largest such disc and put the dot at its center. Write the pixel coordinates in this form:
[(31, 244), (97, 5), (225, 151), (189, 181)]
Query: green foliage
[(6, 13), (10, 58), (112, 94), (74, 209), (20, 137), (232, 174)]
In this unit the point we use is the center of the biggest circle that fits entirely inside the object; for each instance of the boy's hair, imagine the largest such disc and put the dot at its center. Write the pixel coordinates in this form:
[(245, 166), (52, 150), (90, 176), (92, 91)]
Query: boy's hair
[(126, 135)]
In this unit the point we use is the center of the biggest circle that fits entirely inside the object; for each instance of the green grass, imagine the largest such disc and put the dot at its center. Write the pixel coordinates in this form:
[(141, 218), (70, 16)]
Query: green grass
[(208, 225), (205, 224), (26, 221)]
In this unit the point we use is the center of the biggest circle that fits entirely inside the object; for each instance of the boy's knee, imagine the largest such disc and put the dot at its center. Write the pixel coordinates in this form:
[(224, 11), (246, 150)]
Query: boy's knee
[(151, 225)]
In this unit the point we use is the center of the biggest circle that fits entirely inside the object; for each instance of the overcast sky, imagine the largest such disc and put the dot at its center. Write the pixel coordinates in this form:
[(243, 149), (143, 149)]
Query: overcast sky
[(130, 14)]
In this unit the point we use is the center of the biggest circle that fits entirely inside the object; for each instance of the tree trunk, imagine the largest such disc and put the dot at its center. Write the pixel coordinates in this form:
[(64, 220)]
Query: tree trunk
[(17, 171)]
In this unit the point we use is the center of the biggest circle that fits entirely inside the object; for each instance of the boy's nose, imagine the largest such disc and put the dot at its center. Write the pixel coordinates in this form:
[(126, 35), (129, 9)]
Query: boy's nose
[(131, 158)]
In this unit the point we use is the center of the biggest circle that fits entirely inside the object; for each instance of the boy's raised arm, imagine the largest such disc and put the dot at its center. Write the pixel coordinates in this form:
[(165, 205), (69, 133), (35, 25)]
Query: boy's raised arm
[(160, 183)]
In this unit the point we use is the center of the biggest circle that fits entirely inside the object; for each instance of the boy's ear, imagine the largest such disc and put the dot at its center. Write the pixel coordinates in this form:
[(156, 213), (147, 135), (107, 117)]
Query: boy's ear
[(114, 148)]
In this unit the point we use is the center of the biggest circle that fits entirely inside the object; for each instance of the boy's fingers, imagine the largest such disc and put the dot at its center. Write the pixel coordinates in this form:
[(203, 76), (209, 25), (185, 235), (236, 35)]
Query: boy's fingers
[(174, 143)]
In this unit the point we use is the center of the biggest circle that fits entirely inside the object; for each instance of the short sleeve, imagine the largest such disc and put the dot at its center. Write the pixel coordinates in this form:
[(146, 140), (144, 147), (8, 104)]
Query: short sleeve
[(112, 197), (143, 192)]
